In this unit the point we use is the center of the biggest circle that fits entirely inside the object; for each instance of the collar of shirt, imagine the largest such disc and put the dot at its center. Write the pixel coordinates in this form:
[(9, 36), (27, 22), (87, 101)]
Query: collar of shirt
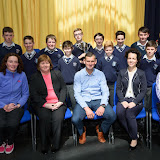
[(152, 59), (79, 44), (46, 49), (71, 56), (133, 72), (123, 47), (99, 49), (106, 57), (139, 44), (5, 45), (87, 74), (31, 54)]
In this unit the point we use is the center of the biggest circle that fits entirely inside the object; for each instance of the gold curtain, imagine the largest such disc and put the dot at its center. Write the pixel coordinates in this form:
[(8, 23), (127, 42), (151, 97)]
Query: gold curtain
[(60, 17)]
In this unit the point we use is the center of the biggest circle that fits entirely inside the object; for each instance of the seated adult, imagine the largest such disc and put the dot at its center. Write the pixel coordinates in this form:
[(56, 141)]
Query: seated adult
[(131, 89), (92, 94), (48, 94), (14, 93)]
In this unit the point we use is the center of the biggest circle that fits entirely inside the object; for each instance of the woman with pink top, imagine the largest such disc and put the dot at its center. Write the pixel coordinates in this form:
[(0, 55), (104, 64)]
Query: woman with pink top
[(48, 94)]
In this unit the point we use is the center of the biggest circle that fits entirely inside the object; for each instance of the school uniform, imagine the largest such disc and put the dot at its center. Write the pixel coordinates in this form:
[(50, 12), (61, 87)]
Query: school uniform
[(55, 55), (119, 52), (157, 54), (151, 68), (110, 67), (13, 48), (140, 47), (30, 63), (99, 53), (68, 67)]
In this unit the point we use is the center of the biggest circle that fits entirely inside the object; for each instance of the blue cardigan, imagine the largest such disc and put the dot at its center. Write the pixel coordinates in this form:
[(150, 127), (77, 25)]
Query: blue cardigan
[(13, 88)]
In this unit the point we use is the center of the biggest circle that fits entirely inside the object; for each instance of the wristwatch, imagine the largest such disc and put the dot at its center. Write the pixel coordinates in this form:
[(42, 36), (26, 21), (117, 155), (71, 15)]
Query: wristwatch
[(103, 105)]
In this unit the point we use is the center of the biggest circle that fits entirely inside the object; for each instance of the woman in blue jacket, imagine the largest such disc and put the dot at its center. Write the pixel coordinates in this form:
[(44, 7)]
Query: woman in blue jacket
[(131, 89), (14, 93)]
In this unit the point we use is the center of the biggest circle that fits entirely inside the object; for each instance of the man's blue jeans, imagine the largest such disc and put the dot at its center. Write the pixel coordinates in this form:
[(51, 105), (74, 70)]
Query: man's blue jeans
[(79, 114)]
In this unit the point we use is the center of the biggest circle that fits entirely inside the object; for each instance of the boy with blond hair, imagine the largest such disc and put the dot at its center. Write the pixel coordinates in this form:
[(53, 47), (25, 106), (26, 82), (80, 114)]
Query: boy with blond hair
[(109, 65)]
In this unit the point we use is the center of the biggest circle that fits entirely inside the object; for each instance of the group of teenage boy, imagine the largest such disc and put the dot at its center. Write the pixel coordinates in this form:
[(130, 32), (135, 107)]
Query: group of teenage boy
[(110, 59)]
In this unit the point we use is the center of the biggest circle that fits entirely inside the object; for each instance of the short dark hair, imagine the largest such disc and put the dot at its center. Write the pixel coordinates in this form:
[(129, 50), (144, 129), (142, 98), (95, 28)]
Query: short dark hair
[(120, 33), (90, 54), (67, 44), (135, 51), (4, 61), (143, 30), (28, 37), (98, 34), (151, 43), (42, 58), (7, 29)]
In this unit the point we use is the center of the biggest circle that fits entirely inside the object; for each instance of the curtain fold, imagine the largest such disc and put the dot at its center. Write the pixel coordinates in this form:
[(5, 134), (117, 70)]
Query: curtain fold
[(60, 17)]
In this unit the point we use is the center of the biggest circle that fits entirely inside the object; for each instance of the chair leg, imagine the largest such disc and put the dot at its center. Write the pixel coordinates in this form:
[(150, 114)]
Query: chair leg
[(111, 136), (147, 130), (35, 140), (32, 133), (74, 135), (150, 130)]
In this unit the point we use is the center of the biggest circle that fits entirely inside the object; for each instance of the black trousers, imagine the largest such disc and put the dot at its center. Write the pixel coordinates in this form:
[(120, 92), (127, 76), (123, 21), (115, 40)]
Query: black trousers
[(127, 117), (50, 123), (9, 122)]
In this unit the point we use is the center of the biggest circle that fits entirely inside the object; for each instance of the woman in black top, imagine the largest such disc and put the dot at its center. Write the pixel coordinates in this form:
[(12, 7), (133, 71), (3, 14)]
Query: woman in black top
[(131, 89)]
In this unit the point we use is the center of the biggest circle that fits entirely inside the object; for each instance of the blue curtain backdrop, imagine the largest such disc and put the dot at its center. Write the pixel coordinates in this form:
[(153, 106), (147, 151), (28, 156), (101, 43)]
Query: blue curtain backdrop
[(152, 18)]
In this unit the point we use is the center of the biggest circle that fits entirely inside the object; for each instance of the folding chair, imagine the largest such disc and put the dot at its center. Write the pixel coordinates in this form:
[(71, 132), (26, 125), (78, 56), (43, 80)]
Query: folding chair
[(153, 114), (28, 117)]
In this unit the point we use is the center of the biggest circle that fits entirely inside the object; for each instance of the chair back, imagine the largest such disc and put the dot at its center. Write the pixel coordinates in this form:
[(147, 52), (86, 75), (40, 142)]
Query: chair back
[(115, 101), (26, 116), (154, 96)]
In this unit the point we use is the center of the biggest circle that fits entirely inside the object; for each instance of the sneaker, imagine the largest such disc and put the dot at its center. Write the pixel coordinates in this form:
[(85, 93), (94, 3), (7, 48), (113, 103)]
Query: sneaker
[(2, 147), (9, 148)]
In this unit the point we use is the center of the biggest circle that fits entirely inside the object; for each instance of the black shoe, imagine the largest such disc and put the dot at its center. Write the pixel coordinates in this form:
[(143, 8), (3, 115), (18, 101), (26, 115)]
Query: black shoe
[(132, 148), (53, 150), (44, 151)]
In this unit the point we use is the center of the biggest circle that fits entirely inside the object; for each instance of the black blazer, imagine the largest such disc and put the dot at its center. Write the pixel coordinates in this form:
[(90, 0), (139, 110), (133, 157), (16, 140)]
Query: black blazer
[(38, 89), (139, 85)]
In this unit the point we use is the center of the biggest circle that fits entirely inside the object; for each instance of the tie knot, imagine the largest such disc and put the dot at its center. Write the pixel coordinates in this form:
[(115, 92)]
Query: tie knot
[(108, 59), (29, 55), (67, 60)]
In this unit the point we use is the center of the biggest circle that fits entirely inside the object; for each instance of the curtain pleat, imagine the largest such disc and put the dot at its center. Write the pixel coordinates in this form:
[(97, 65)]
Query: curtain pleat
[(60, 17)]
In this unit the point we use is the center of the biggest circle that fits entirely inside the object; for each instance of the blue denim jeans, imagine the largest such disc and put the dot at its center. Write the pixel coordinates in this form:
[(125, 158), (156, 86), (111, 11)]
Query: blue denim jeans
[(79, 114)]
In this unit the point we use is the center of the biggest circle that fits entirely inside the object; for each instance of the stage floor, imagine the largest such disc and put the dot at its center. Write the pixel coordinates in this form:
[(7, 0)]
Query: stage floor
[(91, 150)]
